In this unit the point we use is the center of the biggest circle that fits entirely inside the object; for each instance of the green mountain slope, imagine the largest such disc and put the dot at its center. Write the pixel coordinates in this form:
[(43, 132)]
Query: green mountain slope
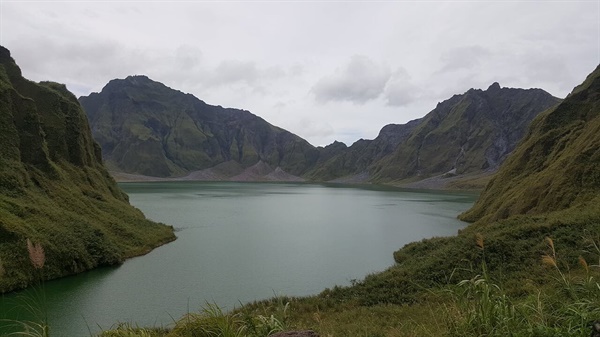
[(54, 189), (557, 166), (468, 133), (146, 128), (356, 159)]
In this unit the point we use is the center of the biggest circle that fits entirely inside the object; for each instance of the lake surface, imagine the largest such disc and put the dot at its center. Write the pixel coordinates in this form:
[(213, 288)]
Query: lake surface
[(240, 242)]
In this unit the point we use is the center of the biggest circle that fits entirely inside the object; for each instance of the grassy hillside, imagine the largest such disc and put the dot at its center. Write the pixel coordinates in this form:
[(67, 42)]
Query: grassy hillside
[(55, 191), (557, 166)]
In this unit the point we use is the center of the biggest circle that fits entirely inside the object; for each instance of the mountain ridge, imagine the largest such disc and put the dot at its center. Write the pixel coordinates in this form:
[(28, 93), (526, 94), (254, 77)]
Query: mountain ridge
[(147, 128), (182, 133), (562, 139), (468, 133)]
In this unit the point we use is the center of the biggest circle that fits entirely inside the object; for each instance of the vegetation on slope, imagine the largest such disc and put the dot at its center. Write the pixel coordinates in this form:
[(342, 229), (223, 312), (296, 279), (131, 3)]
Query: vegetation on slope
[(145, 127), (54, 189), (469, 133), (557, 166), (356, 159)]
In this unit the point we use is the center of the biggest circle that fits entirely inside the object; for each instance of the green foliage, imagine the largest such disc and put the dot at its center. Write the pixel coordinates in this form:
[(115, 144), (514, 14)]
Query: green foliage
[(566, 307), (27, 328), (210, 322), (557, 166), (132, 330), (54, 189), (483, 310)]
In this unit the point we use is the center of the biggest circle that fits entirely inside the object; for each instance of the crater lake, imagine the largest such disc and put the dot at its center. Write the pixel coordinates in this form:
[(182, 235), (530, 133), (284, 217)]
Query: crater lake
[(240, 242)]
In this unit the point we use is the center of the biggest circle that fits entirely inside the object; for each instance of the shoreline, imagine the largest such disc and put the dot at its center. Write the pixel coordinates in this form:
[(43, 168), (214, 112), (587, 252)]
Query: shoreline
[(471, 182)]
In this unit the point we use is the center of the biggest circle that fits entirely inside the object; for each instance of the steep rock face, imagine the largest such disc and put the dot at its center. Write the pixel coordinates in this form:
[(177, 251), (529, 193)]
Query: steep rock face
[(54, 189), (336, 162), (467, 133), (557, 166), (147, 128)]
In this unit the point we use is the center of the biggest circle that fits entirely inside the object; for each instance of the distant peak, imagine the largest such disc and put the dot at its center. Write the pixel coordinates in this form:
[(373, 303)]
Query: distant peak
[(9, 62), (4, 52), (137, 79), (494, 87), (129, 81), (336, 143)]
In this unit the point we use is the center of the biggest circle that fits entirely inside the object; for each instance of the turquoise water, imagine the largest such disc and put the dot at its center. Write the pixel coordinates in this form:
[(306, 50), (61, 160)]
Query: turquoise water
[(239, 242)]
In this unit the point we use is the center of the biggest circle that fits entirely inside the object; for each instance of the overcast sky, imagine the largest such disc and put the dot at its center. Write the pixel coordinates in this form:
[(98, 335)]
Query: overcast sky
[(324, 70)]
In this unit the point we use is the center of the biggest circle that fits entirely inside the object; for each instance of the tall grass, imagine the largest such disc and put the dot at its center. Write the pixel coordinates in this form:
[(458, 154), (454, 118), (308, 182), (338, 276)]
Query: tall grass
[(130, 330), (211, 321), (34, 302), (568, 307)]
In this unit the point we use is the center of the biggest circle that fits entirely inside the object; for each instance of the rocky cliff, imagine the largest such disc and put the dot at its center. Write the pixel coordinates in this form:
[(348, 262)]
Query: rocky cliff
[(467, 133), (145, 127), (352, 163), (54, 190)]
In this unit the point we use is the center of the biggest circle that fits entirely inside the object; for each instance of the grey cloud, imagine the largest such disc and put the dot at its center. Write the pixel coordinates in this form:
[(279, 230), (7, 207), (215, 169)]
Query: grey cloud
[(279, 106), (188, 57), (461, 58), (230, 72), (361, 80), (314, 128), (80, 64), (545, 67), (399, 91)]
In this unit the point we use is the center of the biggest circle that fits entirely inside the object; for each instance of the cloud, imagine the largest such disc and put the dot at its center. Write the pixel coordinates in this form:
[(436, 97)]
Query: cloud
[(247, 72), (361, 80), (232, 71), (461, 58), (188, 57), (545, 69), (257, 55), (399, 91), (313, 127)]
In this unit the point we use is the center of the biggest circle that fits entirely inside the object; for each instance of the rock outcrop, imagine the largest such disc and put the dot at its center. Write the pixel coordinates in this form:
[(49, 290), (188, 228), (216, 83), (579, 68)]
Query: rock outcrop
[(145, 127), (468, 133), (55, 191)]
